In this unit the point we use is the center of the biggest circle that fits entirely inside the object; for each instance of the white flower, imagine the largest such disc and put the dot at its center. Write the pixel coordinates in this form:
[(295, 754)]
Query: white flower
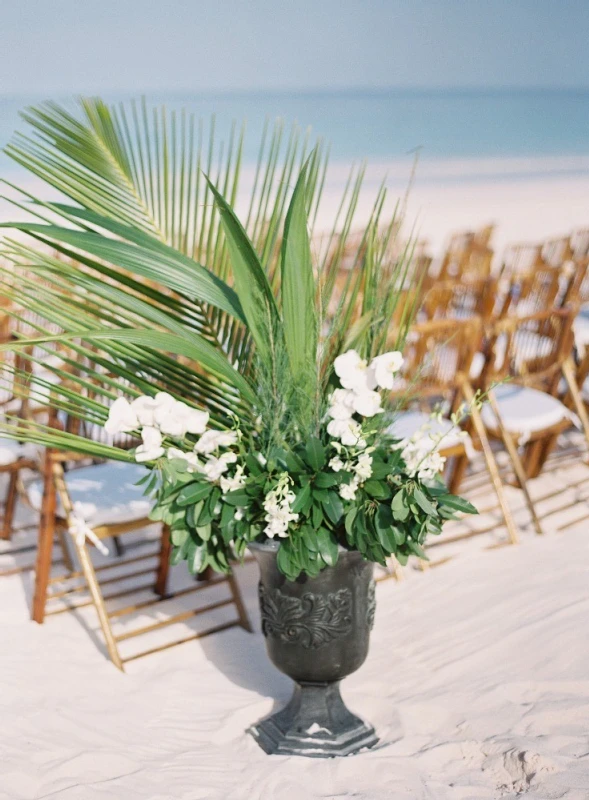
[(190, 458), (421, 457), (367, 404), (341, 404), (236, 482), (215, 467), (238, 514), (336, 464), (348, 491), (363, 467), (277, 505), (212, 440), (145, 407), (384, 368), (152, 445), (196, 421), (176, 418), (353, 372), (348, 431), (121, 417)]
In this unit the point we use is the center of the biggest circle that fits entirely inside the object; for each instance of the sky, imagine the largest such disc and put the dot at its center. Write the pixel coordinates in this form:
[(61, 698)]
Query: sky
[(67, 46)]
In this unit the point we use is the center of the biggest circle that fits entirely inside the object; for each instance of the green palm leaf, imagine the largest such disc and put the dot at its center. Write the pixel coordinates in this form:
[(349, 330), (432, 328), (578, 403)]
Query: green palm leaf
[(298, 298)]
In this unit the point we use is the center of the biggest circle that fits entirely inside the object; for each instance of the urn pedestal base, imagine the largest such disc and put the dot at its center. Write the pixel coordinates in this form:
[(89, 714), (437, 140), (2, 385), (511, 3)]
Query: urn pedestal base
[(315, 723)]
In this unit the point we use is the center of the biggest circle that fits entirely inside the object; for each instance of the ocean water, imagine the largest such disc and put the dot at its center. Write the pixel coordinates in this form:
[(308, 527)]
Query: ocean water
[(457, 132)]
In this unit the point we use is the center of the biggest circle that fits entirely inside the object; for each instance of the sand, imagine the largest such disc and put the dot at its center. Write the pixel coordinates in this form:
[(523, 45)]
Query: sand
[(477, 677), (527, 199), (476, 682)]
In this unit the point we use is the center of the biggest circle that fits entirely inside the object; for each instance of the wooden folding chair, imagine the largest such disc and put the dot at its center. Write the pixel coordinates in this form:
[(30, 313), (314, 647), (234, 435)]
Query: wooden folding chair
[(90, 504), (438, 359), (461, 299), (535, 354)]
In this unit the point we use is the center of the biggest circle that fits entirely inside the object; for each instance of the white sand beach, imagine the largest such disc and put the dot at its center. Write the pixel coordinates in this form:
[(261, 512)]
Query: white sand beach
[(526, 199), (477, 676), (476, 682)]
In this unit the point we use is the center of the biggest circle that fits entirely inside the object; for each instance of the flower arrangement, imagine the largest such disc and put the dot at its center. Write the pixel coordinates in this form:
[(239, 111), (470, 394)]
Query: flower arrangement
[(352, 486), (259, 386)]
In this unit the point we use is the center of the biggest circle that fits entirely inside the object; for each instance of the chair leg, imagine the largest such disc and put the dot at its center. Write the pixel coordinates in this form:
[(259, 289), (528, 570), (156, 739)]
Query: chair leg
[(533, 460), (492, 467), (47, 526), (163, 567), (9, 505), (461, 463), (518, 467), (237, 599), (98, 600), (568, 370)]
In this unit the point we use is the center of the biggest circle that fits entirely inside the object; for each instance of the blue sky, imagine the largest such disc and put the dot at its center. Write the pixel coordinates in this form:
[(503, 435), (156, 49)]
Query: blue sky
[(64, 46)]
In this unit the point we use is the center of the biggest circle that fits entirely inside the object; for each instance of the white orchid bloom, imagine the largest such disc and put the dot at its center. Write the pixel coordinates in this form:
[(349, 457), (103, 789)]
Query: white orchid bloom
[(190, 458), (121, 417), (385, 368), (145, 407), (363, 467), (341, 404), (353, 372), (348, 431), (171, 419), (212, 440), (336, 464), (347, 491), (235, 482), (215, 467), (196, 421), (152, 445), (367, 404)]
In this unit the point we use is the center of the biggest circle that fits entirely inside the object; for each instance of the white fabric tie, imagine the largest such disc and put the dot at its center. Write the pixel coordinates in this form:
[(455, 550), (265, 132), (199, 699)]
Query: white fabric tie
[(80, 530)]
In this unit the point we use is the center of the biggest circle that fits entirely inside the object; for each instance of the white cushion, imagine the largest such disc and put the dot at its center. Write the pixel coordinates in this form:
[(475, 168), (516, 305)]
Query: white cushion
[(524, 410), (581, 328), (408, 423), (102, 494), (11, 451)]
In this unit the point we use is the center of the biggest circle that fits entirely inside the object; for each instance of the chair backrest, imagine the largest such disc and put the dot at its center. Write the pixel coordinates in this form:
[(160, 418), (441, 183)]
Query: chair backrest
[(520, 259), (437, 354), (530, 349), (461, 299), (555, 252), (466, 257), (534, 291), (580, 243)]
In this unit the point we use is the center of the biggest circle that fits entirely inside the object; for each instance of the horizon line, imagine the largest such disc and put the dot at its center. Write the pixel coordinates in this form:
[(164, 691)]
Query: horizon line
[(299, 91)]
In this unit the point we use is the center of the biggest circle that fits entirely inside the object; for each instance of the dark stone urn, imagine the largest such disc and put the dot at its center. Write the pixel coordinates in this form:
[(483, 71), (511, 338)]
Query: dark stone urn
[(317, 632)]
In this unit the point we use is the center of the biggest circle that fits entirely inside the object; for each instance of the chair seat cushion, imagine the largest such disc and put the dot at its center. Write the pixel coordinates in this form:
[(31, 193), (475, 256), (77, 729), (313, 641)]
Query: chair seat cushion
[(102, 494), (408, 423), (11, 451), (524, 410), (581, 328)]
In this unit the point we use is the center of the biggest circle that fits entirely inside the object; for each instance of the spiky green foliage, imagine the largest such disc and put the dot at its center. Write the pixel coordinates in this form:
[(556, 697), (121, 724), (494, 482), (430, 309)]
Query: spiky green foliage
[(153, 282)]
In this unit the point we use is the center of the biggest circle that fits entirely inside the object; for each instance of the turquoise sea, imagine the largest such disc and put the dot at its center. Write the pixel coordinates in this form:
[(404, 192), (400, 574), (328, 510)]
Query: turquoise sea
[(552, 125)]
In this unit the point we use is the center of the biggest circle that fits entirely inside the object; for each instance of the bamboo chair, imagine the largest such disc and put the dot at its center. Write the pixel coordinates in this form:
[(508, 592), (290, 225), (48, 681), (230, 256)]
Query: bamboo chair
[(466, 257), (452, 299), (533, 291), (438, 360), (520, 259), (580, 243), (89, 517), (556, 252), (535, 354)]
